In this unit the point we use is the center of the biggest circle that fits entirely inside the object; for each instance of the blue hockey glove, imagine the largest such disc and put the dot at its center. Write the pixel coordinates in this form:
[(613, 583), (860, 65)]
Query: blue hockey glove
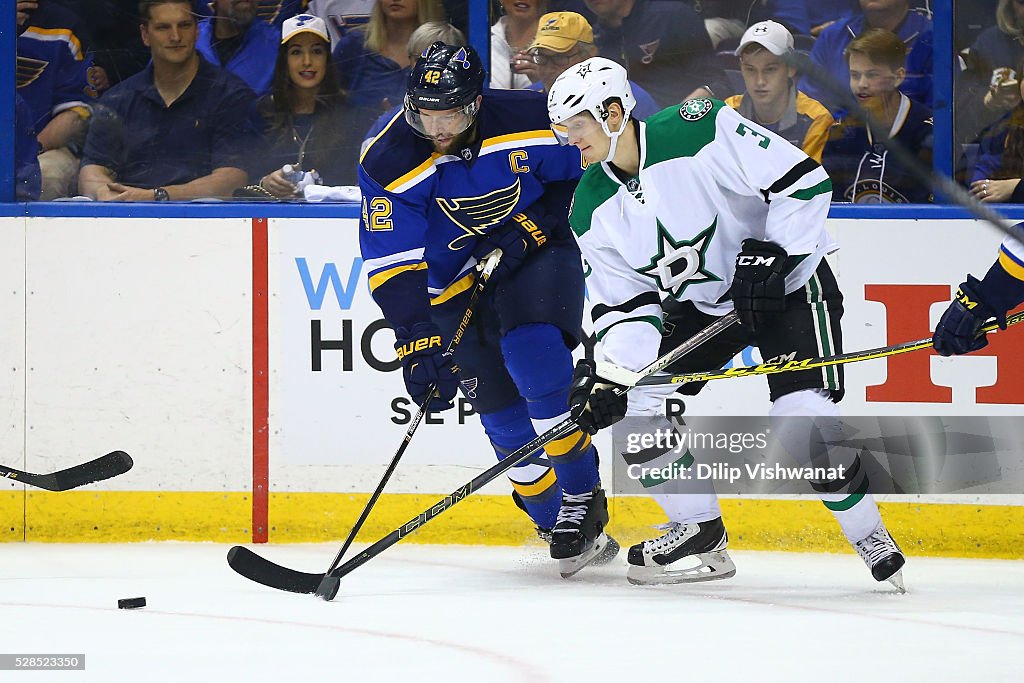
[(759, 285), (957, 331), (518, 238), (425, 363), (593, 402)]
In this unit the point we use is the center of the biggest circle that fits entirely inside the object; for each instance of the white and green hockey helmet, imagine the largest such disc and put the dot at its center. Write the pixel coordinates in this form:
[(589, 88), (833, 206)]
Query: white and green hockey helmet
[(589, 86)]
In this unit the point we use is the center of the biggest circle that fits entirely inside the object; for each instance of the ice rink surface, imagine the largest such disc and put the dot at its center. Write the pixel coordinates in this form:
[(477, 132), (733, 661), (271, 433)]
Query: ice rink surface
[(457, 613)]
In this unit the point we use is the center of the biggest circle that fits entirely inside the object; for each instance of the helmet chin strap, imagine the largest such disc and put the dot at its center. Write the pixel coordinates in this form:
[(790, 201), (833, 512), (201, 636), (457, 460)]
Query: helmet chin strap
[(613, 136)]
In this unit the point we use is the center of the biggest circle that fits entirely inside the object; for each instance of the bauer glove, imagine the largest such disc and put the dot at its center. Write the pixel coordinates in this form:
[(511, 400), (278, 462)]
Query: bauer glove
[(593, 401), (957, 331), (425, 363), (759, 285), (518, 238)]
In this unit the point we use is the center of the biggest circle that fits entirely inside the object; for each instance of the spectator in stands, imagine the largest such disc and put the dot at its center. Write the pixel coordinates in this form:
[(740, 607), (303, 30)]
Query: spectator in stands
[(663, 45), (27, 180), (273, 12), (823, 13), (997, 175), (771, 98), (725, 20), (892, 15), (114, 42), (305, 118), (341, 16), (995, 56), (373, 62), (862, 169), (511, 34), (426, 35), (52, 78), (180, 129), (564, 39), (234, 39)]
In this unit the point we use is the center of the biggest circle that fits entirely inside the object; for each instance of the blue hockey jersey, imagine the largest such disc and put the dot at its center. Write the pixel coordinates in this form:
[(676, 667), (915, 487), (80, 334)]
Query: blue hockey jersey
[(52, 68), (424, 214)]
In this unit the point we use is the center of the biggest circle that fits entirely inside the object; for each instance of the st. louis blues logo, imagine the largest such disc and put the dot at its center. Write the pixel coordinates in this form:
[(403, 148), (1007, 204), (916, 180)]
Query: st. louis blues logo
[(303, 19), (462, 58), (475, 214), (469, 386)]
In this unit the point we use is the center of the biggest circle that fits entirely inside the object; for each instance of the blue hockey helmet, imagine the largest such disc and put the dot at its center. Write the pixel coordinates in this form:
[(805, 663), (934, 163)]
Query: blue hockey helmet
[(445, 77)]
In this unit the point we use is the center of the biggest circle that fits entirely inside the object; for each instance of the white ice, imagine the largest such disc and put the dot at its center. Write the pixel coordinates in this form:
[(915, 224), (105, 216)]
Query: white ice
[(428, 613)]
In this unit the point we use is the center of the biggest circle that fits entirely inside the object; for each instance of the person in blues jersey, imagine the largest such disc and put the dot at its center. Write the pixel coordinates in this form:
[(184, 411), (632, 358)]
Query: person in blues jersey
[(453, 176)]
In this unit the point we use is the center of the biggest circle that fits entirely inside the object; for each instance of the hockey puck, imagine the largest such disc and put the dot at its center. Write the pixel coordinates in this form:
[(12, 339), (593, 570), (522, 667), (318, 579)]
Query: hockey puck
[(131, 603)]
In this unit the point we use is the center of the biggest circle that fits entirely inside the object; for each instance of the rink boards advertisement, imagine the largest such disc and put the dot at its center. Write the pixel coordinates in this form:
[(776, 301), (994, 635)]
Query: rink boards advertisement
[(244, 365), (340, 398)]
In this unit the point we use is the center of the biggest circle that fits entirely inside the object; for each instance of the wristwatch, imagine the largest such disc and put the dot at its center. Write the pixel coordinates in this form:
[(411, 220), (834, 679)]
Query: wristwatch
[(160, 195)]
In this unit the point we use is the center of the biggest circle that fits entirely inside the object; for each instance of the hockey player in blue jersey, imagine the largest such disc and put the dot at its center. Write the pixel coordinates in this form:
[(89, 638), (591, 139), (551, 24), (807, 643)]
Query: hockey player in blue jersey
[(978, 301), (453, 176)]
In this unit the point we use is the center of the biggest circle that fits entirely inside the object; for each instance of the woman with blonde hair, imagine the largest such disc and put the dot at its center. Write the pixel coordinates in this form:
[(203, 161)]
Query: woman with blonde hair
[(373, 63)]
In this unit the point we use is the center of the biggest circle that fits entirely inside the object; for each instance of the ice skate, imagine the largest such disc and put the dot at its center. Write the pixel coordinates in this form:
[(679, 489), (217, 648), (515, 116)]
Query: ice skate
[(578, 538), (883, 557), (685, 553)]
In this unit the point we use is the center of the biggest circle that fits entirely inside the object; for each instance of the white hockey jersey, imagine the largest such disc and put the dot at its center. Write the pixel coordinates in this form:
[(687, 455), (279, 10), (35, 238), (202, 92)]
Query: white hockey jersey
[(708, 179)]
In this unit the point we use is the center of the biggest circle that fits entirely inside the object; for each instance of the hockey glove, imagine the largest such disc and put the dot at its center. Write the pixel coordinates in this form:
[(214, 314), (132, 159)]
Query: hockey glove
[(424, 363), (957, 331), (759, 285), (518, 238), (593, 402)]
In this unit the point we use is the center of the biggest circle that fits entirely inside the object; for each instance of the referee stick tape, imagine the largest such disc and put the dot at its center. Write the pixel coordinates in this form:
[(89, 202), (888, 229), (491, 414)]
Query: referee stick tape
[(257, 568), (793, 365), (487, 267)]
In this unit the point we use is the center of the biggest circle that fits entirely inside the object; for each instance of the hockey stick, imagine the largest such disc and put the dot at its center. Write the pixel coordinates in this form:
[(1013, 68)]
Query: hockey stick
[(261, 570), (487, 269), (104, 467), (489, 264), (806, 364)]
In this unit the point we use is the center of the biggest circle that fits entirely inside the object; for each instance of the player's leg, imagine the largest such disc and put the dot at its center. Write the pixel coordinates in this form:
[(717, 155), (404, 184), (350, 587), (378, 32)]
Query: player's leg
[(493, 395), (810, 327), (541, 309), (693, 547)]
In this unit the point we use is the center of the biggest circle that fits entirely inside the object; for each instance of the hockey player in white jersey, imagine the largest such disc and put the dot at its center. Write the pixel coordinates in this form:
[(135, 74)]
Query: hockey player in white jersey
[(682, 218)]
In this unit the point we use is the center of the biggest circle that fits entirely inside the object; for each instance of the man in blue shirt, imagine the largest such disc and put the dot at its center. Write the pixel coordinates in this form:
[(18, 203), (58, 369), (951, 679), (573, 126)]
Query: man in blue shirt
[(178, 130), (27, 180), (234, 39), (914, 29)]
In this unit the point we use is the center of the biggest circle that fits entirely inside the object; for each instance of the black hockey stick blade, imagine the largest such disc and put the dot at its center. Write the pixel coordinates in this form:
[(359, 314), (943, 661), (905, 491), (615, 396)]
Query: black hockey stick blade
[(104, 467), (261, 570)]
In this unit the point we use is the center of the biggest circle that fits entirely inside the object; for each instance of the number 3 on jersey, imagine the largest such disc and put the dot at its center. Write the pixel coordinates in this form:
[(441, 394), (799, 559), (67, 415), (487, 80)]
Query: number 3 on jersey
[(378, 217), (764, 141)]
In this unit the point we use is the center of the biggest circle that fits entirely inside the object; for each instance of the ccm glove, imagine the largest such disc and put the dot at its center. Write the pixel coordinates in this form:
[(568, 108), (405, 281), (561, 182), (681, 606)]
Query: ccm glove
[(759, 285), (518, 238), (425, 364), (957, 331), (593, 402)]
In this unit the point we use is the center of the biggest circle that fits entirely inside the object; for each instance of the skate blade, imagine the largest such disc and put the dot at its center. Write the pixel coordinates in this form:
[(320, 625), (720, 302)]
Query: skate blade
[(713, 567), (571, 565), (608, 554), (897, 580)]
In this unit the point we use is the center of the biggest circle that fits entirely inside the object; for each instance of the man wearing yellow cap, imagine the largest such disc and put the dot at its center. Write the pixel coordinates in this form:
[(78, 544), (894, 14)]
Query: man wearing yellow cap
[(565, 39)]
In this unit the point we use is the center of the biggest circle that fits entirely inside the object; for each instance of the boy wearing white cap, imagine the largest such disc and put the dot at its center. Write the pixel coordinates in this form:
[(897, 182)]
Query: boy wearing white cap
[(771, 98)]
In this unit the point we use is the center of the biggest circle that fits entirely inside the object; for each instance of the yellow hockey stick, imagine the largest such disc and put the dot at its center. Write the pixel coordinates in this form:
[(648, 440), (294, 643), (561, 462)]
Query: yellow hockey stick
[(807, 363)]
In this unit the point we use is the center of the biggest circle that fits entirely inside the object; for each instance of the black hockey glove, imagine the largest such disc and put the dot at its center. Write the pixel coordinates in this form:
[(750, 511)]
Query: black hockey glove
[(593, 402), (424, 363), (518, 237), (759, 285), (957, 331)]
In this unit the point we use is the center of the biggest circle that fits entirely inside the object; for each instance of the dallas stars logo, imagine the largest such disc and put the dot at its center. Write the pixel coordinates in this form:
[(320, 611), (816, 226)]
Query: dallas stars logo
[(695, 110), (678, 265)]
